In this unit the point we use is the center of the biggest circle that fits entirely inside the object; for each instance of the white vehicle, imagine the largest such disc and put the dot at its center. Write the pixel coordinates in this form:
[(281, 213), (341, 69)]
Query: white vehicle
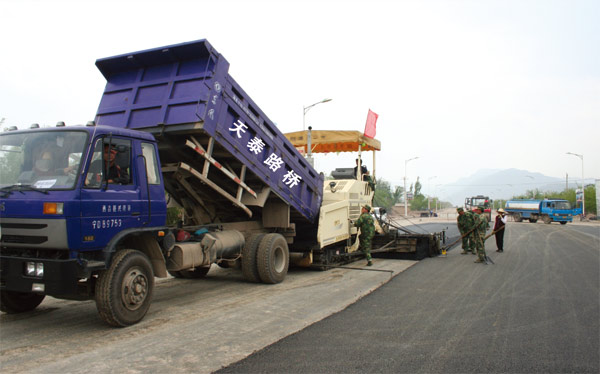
[(379, 213)]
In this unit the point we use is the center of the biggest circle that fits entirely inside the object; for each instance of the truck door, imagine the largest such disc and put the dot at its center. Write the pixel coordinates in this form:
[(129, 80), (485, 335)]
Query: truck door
[(151, 189), (546, 208), (110, 195)]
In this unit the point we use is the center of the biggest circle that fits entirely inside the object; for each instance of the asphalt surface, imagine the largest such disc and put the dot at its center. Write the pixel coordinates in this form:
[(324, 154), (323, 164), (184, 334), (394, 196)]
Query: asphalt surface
[(536, 310), (193, 325)]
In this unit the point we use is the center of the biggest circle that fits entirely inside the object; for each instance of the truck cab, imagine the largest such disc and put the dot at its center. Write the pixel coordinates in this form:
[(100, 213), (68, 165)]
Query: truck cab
[(68, 198), (480, 200), (556, 211)]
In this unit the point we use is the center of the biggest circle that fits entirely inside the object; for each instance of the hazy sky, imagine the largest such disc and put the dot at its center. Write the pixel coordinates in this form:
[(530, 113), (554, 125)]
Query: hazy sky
[(463, 85)]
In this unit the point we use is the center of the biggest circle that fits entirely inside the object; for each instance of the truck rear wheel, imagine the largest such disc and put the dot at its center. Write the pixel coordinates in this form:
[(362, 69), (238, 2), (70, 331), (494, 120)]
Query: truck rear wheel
[(533, 220), (273, 258), (124, 290), (18, 302), (249, 268), (547, 219), (563, 222), (518, 217)]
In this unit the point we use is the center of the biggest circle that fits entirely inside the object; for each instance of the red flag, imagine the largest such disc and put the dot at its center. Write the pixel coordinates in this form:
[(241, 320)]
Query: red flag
[(370, 125)]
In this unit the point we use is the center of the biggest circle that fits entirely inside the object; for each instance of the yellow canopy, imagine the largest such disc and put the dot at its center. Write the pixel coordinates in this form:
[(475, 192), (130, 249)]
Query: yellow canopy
[(325, 141)]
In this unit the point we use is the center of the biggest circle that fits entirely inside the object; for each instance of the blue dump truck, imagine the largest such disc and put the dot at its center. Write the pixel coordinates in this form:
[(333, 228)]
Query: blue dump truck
[(551, 210), (83, 209)]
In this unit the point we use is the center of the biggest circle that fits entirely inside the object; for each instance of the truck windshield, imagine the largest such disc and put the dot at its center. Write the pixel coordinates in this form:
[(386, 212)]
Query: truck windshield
[(563, 205), (483, 202), (45, 160)]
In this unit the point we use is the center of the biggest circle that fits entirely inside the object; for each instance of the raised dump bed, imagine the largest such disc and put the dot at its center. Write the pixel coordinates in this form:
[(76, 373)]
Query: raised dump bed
[(212, 136)]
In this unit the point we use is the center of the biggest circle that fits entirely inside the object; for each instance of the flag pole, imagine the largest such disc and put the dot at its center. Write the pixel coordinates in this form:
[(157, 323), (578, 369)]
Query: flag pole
[(373, 165)]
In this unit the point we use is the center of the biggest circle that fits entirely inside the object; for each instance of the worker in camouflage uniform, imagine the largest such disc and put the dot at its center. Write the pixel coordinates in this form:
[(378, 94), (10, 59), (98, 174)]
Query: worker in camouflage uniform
[(367, 231), (481, 226), (464, 221), (367, 178)]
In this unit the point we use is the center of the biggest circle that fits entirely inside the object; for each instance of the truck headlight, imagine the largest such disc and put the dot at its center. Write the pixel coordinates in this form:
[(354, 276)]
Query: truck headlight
[(39, 269), (34, 269), (30, 269)]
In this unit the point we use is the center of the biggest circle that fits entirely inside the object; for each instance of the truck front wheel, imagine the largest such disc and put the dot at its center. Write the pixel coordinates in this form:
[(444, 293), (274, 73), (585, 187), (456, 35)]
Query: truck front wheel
[(124, 290), (273, 258), (18, 302)]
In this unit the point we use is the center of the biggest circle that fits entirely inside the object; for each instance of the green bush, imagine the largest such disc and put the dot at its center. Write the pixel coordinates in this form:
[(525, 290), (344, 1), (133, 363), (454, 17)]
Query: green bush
[(174, 215)]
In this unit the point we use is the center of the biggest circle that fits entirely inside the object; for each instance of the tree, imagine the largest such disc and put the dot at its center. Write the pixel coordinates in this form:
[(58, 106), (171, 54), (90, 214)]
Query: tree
[(590, 199), (383, 196), (417, 188), (398, 193), (419, 202), (499, 203)]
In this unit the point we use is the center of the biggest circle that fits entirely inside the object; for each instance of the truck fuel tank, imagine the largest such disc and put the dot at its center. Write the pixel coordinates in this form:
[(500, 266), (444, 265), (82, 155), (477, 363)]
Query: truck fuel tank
[(215, 245)]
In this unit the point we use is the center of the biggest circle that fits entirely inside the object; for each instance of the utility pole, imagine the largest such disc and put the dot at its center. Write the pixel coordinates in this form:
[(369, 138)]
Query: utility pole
[(582, 184)]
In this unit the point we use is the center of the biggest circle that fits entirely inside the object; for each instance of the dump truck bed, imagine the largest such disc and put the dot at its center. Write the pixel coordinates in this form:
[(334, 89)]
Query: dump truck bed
[(184, 95)]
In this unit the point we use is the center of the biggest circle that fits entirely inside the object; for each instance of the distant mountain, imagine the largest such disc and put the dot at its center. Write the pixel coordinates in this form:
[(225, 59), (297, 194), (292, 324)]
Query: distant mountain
[(501, 184)]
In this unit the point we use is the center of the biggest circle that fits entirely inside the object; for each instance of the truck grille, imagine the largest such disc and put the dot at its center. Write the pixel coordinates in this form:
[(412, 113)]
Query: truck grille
[(27, 226), (22, 239), (25, 233)]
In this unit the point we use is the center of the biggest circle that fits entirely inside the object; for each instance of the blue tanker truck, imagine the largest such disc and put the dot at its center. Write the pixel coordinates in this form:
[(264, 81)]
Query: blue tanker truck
[(548, 210), (83, 208)]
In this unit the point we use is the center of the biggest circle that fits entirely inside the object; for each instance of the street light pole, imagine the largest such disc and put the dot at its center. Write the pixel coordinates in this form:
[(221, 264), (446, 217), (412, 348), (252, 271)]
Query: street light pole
[(307, 108), (582, 184), (405, 206)]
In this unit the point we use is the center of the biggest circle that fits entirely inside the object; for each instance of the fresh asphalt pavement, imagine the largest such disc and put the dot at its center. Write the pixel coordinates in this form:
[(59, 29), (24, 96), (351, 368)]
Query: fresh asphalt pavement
[(536, 310)]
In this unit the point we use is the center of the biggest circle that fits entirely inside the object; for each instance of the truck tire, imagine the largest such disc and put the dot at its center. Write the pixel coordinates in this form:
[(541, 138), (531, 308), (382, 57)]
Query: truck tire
[(124, 290), (249, 268), (563, 222), (533, 220), (547, 219), (518, 217), (18, 302), (273, 258)]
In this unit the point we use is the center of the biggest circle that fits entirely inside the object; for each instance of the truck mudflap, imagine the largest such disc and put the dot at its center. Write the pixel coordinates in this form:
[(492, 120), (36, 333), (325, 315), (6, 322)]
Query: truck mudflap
[(46, 276)]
